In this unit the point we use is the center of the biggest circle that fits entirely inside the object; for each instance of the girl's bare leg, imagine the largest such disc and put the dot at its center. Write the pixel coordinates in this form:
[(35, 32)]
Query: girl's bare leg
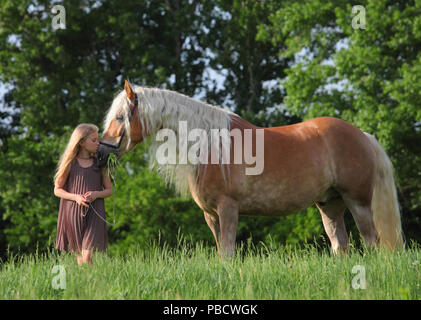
[(79, 259), (86, 256)]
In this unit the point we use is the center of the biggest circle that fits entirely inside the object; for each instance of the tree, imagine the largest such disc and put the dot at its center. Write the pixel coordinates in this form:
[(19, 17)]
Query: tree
[(250, 69)]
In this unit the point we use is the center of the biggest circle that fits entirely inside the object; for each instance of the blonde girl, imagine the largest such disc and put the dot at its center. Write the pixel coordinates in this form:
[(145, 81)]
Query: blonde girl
[(82, 187)]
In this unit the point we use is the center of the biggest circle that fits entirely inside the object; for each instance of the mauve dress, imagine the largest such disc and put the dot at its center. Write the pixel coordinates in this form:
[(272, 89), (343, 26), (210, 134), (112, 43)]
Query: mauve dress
[(75, 231)]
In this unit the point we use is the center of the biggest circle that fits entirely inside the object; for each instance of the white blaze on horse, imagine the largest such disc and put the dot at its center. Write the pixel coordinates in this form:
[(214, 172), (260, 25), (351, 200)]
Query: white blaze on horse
[(324, 161)]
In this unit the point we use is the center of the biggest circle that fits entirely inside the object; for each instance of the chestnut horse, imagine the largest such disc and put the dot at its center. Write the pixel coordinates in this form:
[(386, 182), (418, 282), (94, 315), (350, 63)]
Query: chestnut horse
[(323, 161)]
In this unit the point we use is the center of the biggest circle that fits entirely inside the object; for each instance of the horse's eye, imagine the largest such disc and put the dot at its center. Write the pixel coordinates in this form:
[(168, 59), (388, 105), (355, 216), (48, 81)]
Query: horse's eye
[(119, 118)]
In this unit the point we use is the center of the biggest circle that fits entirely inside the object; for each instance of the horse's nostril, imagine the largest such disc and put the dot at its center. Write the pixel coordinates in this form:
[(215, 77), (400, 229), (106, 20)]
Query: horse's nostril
[(103, 153)]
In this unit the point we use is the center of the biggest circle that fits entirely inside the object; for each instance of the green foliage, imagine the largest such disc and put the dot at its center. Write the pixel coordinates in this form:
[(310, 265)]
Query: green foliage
[(250, 68), (27, 191)]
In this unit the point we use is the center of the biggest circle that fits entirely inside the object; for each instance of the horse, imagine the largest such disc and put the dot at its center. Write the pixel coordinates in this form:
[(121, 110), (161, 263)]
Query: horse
[(323, 161)]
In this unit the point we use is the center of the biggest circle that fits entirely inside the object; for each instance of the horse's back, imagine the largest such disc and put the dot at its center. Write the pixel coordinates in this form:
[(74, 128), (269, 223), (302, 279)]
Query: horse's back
[(322, 125)]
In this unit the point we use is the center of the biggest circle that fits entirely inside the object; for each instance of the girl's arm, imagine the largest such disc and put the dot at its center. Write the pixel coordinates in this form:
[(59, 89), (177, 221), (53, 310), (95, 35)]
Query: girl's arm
[(60, 192), (106, 192)]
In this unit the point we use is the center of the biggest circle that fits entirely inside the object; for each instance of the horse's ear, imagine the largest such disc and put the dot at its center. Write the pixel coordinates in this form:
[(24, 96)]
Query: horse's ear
[(129, 91)]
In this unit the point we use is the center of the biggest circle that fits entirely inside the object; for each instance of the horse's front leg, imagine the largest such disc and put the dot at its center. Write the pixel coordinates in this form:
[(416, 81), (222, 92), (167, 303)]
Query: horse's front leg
[(228, 221)]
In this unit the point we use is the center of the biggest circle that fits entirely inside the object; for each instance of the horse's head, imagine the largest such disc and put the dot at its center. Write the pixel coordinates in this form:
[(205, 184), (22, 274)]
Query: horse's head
[(122, 127)]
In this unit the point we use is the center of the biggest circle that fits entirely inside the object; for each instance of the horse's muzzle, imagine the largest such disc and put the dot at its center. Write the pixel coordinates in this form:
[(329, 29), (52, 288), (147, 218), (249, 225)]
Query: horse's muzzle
[(103, 153)]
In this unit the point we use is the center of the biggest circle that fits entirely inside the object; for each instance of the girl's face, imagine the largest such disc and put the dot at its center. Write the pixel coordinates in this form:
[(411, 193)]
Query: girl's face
[(91, 143)]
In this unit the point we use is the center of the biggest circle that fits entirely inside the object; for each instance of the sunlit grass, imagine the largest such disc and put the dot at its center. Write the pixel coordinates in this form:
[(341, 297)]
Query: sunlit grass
[(194, 271)]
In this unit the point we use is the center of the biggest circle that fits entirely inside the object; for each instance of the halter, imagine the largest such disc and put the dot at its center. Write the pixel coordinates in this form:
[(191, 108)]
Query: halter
[(132, 109)]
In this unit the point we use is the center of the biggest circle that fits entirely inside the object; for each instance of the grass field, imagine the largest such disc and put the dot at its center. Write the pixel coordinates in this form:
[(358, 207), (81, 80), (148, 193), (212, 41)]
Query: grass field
[(193, 271)]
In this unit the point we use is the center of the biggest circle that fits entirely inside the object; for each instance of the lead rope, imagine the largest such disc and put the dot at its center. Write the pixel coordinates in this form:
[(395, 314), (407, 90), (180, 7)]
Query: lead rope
[(85, 212), (111, 224)]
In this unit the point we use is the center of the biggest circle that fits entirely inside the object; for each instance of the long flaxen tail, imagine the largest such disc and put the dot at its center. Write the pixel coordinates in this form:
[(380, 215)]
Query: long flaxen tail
[(385, 206)]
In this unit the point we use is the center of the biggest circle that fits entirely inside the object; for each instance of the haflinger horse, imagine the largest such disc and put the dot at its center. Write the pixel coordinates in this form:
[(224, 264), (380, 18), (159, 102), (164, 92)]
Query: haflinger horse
[(323, 161)]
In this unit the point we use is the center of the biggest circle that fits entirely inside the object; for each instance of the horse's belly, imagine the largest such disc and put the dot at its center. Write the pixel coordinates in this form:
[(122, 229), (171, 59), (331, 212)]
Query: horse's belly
[(273, 206), (282, 198)]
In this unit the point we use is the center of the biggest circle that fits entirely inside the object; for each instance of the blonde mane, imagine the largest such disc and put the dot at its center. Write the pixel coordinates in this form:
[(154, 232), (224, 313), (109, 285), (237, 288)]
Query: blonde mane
[(159, 109)]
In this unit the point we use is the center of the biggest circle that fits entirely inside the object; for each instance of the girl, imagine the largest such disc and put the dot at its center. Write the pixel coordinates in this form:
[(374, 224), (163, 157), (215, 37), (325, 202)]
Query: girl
[(81, 185)]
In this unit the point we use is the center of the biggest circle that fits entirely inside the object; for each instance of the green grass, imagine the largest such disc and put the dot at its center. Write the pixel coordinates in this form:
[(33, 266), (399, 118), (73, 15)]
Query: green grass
[(193, 271)]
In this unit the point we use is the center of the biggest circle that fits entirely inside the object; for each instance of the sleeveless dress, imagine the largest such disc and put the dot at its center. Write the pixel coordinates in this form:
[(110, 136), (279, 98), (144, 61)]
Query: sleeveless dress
[(74, 230)]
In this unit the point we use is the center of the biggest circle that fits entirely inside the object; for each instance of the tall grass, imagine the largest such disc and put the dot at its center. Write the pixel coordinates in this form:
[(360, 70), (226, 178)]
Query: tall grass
[(194, 271)]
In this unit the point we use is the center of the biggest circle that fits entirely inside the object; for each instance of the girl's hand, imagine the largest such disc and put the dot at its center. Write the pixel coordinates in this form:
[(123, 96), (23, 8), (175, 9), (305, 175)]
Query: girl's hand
[(90, 196), (81, 200)]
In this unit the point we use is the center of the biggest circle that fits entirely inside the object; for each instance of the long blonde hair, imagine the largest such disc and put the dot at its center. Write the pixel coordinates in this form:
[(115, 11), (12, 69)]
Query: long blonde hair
[(80, 134)]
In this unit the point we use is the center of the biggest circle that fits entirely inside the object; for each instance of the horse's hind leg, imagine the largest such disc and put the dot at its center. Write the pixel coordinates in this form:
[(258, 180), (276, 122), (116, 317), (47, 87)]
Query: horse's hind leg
[(363, 217), (332, 214), (213, 223), (228, 220)]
